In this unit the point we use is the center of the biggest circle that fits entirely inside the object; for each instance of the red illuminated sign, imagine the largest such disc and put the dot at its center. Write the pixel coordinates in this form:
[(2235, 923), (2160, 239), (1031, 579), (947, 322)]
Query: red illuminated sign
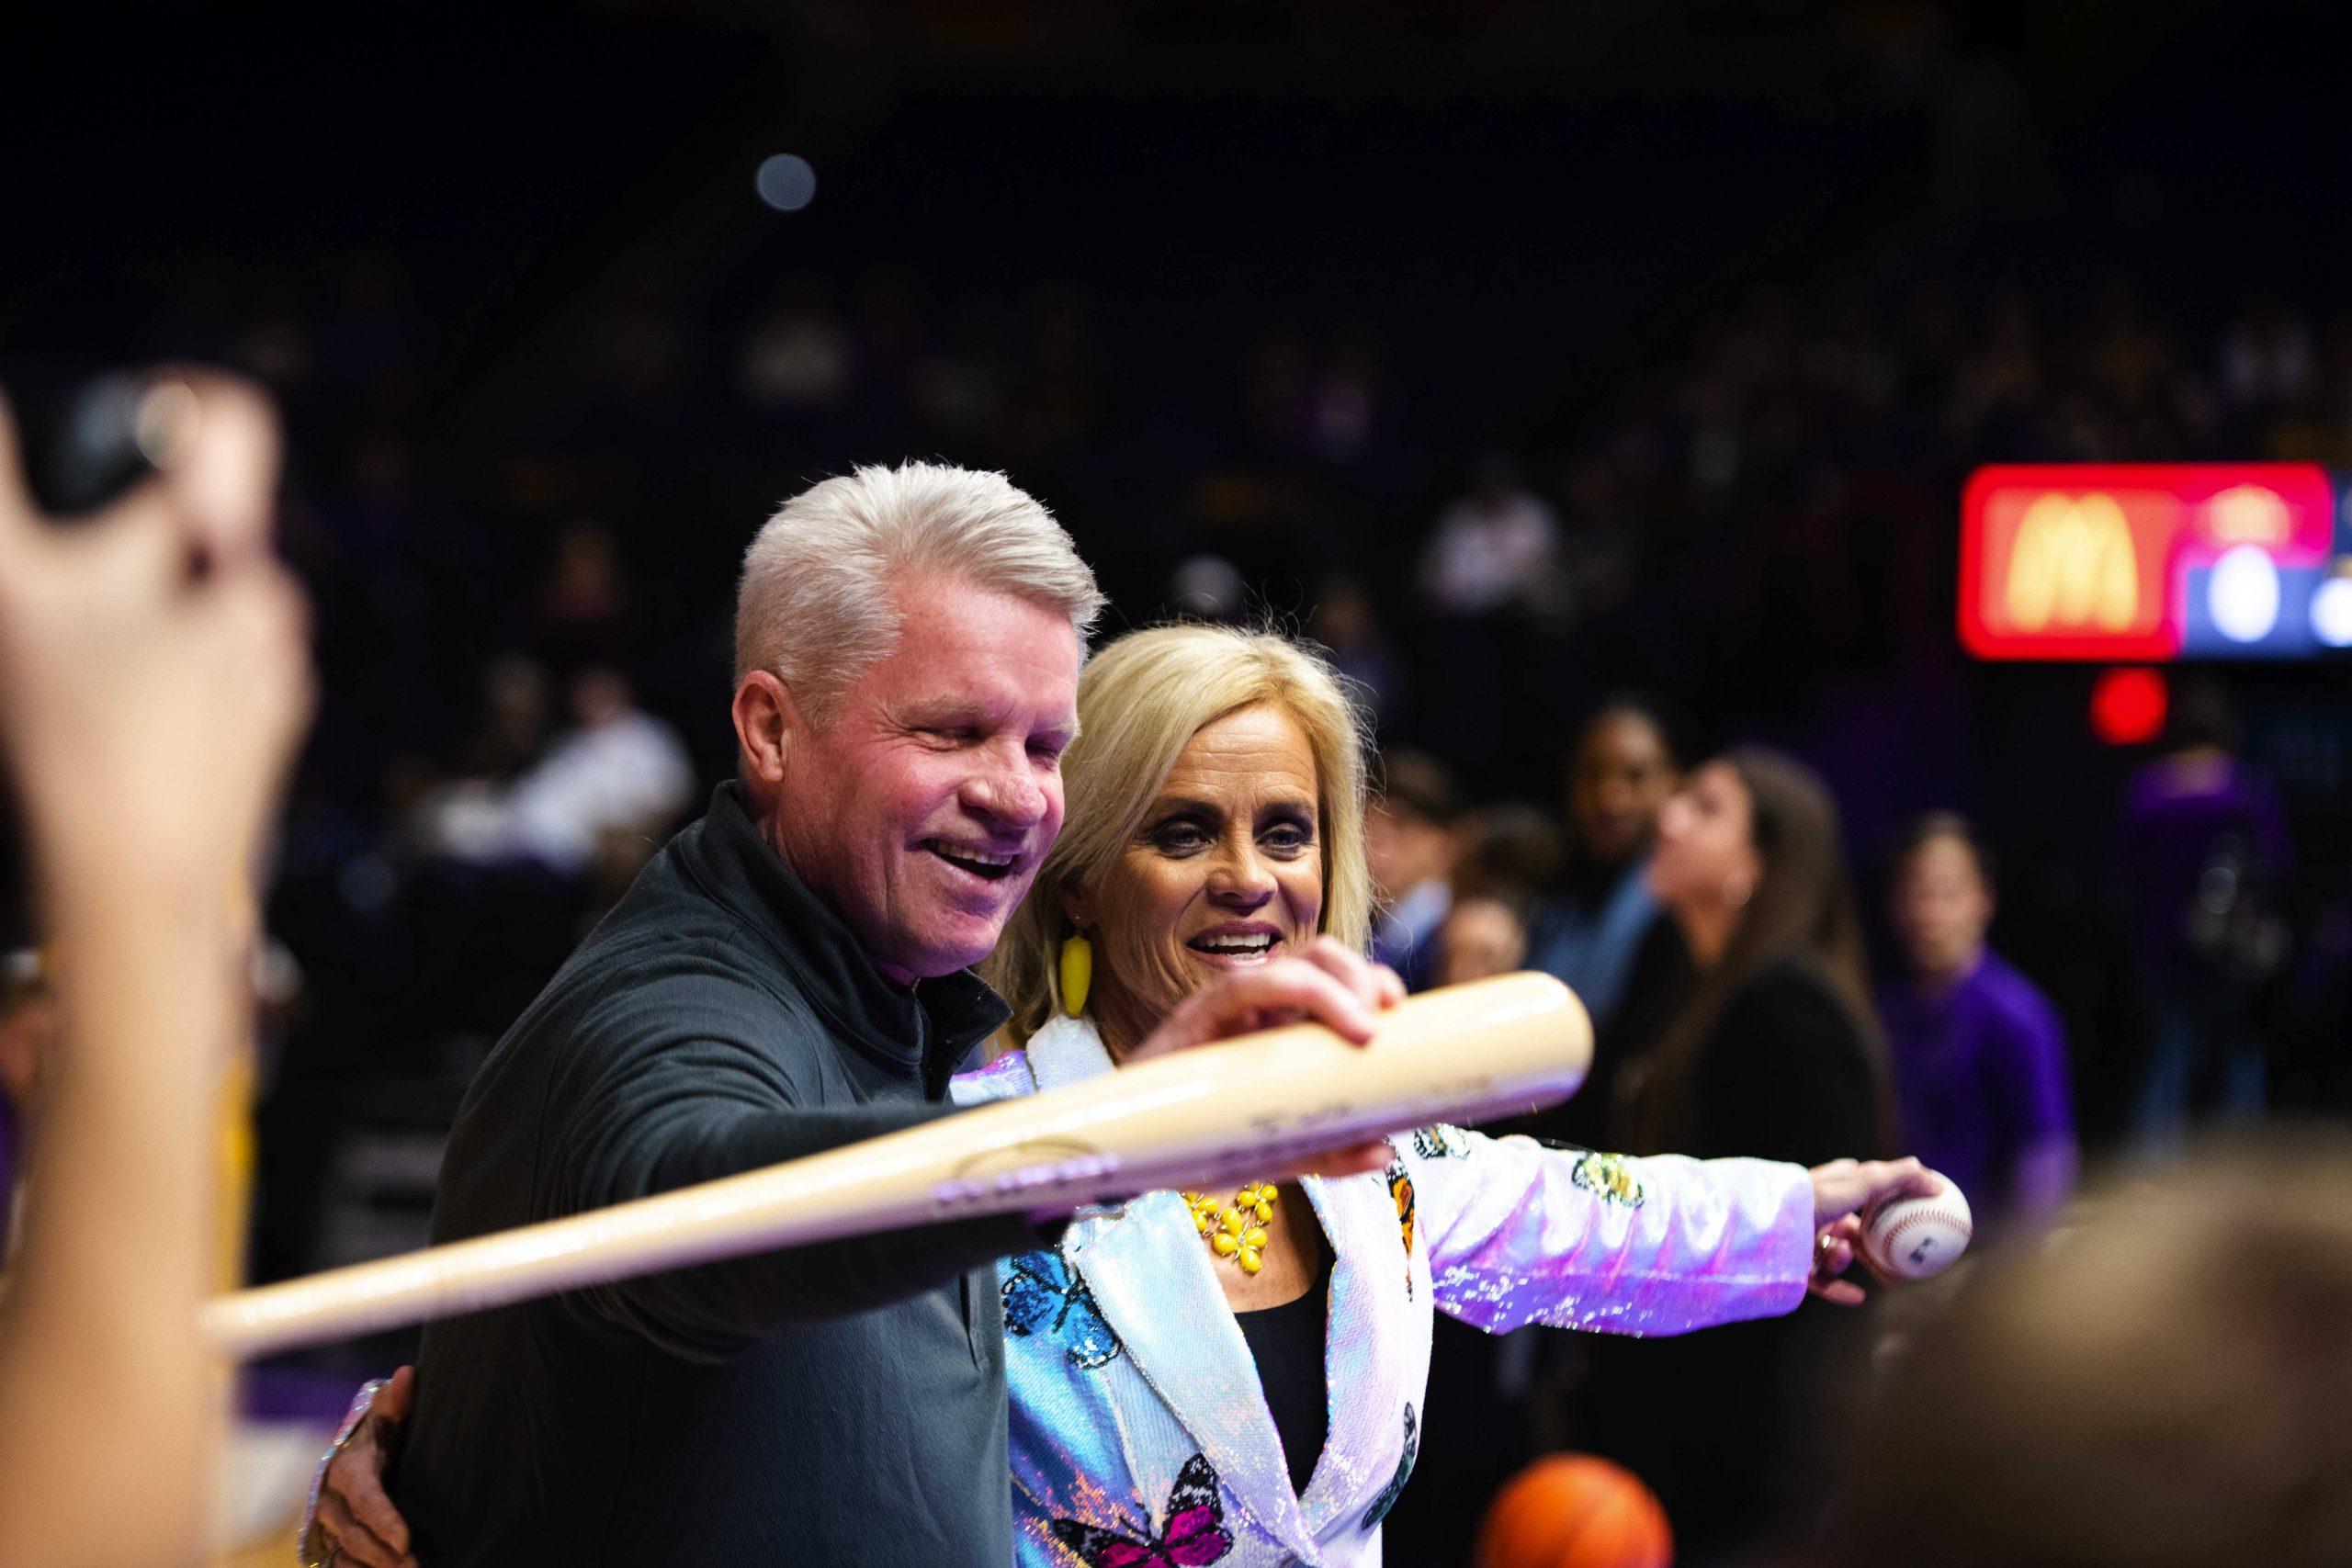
[(2093, 560), (2128, 707)]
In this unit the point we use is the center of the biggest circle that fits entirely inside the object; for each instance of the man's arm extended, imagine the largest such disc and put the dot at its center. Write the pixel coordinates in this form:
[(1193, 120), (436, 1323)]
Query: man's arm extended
[(672, 1094), (678, 1096)]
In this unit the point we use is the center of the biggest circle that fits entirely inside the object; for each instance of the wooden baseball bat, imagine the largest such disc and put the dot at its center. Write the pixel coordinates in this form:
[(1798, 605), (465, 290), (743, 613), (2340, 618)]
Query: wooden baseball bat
[(1462, 1053)]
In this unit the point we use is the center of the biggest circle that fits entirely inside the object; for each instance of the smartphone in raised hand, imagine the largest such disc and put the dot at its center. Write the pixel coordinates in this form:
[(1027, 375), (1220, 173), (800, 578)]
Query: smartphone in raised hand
[(85, 437)]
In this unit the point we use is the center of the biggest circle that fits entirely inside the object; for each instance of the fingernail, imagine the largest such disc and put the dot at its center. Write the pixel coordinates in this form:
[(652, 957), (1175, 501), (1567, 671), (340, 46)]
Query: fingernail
[(162, 424)]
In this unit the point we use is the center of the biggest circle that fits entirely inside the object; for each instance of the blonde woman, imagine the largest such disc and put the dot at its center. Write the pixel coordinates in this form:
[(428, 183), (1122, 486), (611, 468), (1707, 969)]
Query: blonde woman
[(1237, 1377)]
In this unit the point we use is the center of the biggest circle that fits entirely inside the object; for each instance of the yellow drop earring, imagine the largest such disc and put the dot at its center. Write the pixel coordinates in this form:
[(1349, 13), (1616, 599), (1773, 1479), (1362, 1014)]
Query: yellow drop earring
[(1077, 972)]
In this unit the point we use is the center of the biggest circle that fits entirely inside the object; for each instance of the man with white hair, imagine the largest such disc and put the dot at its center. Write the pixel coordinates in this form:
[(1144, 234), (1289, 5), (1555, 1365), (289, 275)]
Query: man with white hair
[(789, 974)]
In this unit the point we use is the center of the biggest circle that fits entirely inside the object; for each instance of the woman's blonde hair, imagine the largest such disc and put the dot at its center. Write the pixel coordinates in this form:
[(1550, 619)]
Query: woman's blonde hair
[(1139, 701)]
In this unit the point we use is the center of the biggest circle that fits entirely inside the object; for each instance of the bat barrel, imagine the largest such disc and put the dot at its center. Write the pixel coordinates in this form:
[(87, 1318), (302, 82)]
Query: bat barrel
[(1461, 1054)]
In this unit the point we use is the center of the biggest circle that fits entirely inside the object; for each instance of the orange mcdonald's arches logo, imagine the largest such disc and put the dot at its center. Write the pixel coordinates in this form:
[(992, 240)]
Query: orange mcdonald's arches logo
[(2071, 567), (2083, 567)]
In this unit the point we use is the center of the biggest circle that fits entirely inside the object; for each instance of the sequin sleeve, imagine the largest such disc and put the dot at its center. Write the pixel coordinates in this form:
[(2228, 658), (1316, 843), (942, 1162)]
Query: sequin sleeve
[(1005, 1078), (310, 1541), (1519, 1232)]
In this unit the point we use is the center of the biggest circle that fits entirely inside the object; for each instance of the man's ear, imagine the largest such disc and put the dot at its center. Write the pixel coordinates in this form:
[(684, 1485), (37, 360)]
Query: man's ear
[(765, 719)]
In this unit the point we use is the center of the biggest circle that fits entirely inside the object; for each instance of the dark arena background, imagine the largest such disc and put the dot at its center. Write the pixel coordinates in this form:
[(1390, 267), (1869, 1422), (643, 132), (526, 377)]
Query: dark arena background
[(1523, 355)]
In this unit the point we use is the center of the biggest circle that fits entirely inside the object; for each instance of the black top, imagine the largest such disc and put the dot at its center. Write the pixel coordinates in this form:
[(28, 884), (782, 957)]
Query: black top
[(1785, 1075), (1598, 1116), (1287, 1343), (1732, 1426), (841, 1402)]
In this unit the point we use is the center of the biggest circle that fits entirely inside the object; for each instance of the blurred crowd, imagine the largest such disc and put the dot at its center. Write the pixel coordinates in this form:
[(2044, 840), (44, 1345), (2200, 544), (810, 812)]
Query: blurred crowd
[(1705, 912), (525, 589)]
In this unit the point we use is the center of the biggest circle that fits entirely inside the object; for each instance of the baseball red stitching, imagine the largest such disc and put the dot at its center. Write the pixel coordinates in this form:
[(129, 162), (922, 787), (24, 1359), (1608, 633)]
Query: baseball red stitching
[(1908, 1222)]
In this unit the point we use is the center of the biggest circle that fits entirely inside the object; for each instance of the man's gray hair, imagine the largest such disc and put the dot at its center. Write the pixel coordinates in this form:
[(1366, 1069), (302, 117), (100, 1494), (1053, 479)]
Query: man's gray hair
[(814, 604)]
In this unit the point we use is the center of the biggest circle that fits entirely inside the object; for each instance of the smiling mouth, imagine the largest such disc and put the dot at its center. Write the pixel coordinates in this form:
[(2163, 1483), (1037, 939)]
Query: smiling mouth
[(987, 865), (1246, 947)]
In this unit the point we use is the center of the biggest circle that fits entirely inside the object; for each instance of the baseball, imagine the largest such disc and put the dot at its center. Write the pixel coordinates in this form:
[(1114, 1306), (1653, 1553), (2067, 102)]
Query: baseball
[(1912, 1238)]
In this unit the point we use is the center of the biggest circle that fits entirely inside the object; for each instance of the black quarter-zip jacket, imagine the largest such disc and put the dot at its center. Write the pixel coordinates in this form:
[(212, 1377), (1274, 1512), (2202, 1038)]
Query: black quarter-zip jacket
[(838, 1404)]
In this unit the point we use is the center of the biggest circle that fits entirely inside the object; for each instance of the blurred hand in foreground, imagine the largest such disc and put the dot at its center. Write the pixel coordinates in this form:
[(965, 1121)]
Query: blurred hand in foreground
[(155, 679), (154, 671)]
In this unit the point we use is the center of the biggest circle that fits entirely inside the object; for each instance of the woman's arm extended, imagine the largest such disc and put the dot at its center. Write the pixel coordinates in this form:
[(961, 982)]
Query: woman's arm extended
[(1519, 1231)]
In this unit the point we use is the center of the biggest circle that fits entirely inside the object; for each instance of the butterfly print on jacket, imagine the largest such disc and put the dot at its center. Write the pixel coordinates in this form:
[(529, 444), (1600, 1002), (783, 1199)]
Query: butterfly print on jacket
[(1195, 1535), (1400, 1189), (1043, 1294), (1438, 1141), (1609, 1178), (1396, 1487)]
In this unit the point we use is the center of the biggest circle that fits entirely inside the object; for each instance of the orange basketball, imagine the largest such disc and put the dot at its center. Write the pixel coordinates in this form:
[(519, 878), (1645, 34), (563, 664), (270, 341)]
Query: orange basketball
[(1575, 1511)]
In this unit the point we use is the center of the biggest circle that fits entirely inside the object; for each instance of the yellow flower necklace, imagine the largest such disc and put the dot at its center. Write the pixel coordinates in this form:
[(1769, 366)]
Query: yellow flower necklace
[(1236, 1230)]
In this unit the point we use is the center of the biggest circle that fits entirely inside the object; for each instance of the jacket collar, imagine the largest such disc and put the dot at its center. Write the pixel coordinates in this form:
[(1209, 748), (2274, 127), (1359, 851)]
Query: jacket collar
[(1157, 1288), (928, 1028), (1066, 1051), (1365, 1369)]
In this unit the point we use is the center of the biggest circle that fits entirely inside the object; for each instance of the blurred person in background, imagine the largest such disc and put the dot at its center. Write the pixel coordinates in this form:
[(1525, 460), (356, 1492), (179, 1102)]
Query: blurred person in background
[(460, 812), (1488, 570), (2161, 1380), (1775, 1050), (1979, 1054), (797, 360), (1505, 852), (586, 609), (1482, 937), (1346, 621), (2202, 864), (1621, 770), (616, 771), (1600, 931), (1779, 1035), (1413, 843), (29, 1029), (1511, 851), (1493, 548), (518, 717), (155, 680), (513, 865)]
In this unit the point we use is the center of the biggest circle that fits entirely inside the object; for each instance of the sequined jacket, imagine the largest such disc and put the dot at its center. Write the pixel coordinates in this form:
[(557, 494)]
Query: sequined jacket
[(1139, 1431)]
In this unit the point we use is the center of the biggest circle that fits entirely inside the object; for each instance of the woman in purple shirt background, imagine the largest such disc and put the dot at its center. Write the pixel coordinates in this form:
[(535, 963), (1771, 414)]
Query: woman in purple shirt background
[(1979, 1054)]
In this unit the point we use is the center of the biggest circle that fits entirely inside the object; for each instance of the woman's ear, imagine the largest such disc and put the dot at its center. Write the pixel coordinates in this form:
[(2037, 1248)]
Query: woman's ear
[(1077, 907)]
